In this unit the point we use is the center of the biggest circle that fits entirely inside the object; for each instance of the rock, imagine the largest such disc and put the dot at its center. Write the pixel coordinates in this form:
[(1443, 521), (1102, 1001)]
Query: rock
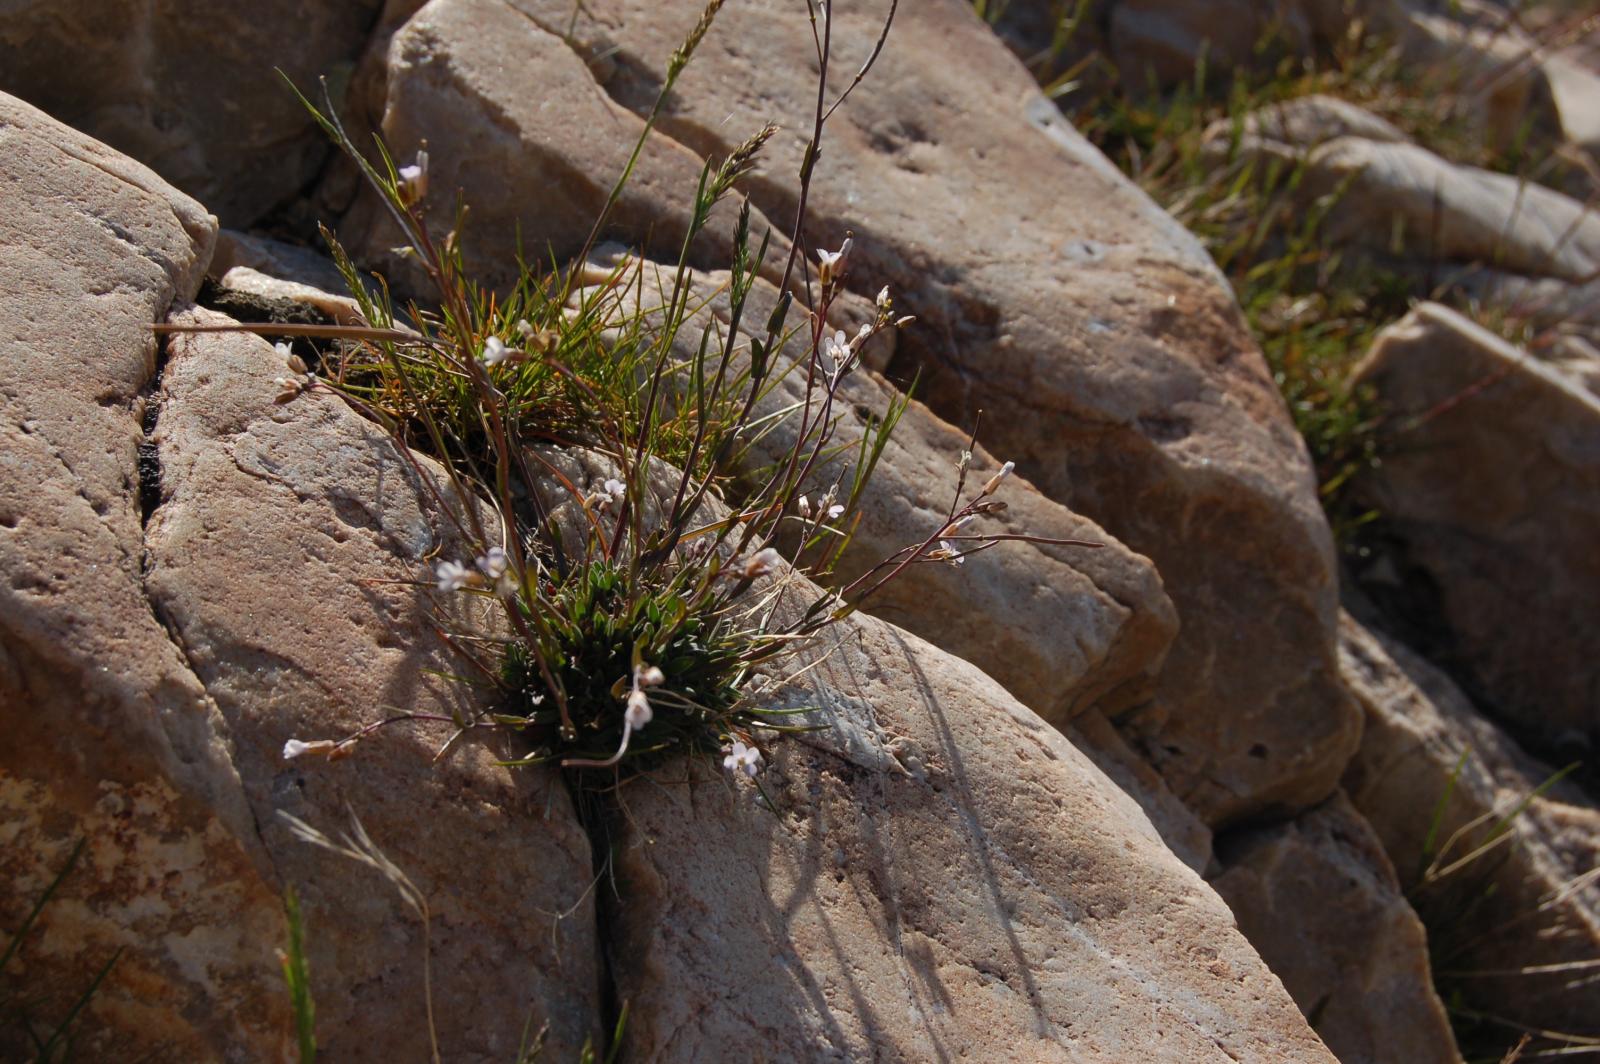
[(290, 263), (1106, 351), (517, 128), (1305, 122), (964, 884), (1440, 211), (159, 642), (1179, 828), (242, 281), (1520, 529), (148, 79), (1318, 898), (1513, 930), (1160, 42), (1574, 86), (252, 491)]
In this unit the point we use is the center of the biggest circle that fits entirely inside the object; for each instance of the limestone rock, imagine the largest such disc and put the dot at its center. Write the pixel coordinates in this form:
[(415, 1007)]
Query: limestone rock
[(1491, 491), (193, 95), (964, 885), (1319, 900), (1458, 214), (159, 641), (1102, 345), (516, 126), (1523, 921), (279, 530)]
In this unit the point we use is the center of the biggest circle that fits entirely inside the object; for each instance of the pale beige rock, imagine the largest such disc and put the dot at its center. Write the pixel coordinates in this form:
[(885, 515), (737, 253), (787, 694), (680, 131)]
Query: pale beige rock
[(1318, 899), (1533, 901), (341, 310), (1306, 122), (1491, 487), (1441, 212), (149, 677), (275, 258), (942, 876), (1104, 348), (516, 126), (194, 95), (1183, 832), (108, 734)]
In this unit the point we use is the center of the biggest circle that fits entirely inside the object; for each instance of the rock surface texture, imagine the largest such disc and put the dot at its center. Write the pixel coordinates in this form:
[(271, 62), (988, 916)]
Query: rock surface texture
[(1521, 920), (945, 878), (198, 99), (159, 642), (1491, 495), (1319, 899)]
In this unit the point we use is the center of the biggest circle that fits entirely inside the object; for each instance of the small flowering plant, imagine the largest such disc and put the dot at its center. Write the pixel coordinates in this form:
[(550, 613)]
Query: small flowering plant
[(643, 611)]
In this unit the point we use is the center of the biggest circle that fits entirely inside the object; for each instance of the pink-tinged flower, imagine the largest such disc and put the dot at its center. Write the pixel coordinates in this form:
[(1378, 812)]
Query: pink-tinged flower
[(804, 506), (835, 510), (452, 576), (742, 758), (414, 179), (950, 553), (995, 481), (650, 676), (615, 490)]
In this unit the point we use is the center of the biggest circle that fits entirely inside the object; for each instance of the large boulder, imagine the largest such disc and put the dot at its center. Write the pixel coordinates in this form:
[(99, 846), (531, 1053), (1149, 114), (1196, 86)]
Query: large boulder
[(1318, 898), (1490, 494), (940, 875), (174, 608), (1516, 929), (1103, 346), (196, 96)]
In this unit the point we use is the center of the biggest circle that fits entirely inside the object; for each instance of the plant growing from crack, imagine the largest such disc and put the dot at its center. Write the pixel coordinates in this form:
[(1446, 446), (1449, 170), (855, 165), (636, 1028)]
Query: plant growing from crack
[(650, 587)]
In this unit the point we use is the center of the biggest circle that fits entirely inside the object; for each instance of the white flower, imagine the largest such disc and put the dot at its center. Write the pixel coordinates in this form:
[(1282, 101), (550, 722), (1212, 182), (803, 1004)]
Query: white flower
[(494, 352), (837, 348), (452, 576), (861, 335), (835, 510), (804, 506), (414, 179), (285, 352), (742, 758), (295, 748), (959, 523), (883, 297), (615, 489), (994, 481), (951, 554), (496, 565), (761, 563), (831, 264), (639, 712), (524, 329), (650, 676)]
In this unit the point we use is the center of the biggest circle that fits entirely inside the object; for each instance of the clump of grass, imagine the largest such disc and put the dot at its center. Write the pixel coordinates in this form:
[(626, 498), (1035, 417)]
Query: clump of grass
[(1456, 894), (645, 611)]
